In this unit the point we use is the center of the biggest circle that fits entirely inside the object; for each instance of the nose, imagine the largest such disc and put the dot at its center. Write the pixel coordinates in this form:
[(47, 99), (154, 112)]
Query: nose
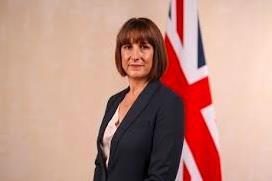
[(136, 54)]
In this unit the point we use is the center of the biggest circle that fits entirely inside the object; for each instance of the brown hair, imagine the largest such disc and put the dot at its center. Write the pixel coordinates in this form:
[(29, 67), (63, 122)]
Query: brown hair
[(140, 30)]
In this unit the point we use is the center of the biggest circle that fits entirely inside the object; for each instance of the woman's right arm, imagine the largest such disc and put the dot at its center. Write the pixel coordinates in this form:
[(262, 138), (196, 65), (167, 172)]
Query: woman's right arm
[(98, 169), (98, 172)]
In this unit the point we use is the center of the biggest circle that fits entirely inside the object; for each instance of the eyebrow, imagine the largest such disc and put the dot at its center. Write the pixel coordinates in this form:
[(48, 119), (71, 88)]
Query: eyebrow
[(144, 42), (140, 42)]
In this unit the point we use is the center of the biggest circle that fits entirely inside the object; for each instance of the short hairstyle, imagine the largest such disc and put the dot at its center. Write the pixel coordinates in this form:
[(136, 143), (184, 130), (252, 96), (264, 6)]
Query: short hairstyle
[(138, 30)]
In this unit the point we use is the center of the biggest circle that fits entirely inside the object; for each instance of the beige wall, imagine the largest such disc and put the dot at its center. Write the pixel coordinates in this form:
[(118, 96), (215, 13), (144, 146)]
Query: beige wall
[(57, 70)]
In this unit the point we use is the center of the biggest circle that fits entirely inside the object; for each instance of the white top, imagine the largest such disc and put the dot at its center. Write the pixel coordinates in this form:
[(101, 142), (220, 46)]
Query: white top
[(108, 134)]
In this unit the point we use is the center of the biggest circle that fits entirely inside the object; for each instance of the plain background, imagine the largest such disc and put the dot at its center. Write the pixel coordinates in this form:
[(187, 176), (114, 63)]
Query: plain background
[(57, 71)]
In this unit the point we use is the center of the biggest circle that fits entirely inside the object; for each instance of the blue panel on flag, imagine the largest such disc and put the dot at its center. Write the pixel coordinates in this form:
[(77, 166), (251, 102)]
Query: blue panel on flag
[(169, 12), (201, 57)]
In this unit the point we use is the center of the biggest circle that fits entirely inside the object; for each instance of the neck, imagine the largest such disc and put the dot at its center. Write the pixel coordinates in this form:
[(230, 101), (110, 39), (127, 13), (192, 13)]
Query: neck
[(136, 86)]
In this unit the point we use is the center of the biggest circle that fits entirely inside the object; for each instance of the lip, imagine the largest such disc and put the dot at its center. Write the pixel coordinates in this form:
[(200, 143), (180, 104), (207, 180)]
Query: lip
[(136, 65)]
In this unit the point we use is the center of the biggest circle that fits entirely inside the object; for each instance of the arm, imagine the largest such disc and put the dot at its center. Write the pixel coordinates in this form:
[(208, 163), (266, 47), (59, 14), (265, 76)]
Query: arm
[(98, 170), (99, 167), (167, 141)]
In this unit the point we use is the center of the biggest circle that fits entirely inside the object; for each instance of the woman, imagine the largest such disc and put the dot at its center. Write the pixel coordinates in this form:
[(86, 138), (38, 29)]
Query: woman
[(141, 135)]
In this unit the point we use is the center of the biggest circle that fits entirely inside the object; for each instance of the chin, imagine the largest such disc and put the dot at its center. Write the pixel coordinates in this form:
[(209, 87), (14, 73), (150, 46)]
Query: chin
[(136, 77), (137, 74)]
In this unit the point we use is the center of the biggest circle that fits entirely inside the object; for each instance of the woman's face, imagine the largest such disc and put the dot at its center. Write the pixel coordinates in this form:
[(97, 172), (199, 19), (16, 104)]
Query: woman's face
[(137, 59)]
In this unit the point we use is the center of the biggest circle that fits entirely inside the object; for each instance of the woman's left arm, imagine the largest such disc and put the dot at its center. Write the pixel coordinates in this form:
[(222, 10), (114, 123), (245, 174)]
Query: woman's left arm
[(167, 141)]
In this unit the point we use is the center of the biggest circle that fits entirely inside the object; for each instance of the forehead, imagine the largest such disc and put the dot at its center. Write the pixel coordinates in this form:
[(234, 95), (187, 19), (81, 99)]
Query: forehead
[(136, 36)]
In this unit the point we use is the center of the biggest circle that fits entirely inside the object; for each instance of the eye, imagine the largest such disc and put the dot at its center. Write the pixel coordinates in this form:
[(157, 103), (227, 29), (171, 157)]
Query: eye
[(126, 46), (144, 46)]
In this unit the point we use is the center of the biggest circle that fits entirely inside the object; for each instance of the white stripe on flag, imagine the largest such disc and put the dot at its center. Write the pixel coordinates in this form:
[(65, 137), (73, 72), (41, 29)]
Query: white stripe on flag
[(190, 163), (209, 117)]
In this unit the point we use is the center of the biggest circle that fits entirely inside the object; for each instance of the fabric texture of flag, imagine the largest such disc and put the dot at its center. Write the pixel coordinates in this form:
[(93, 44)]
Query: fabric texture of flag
[(187, 75)]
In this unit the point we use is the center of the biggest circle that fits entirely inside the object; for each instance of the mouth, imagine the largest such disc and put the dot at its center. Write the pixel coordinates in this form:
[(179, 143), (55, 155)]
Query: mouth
[(136, 65)]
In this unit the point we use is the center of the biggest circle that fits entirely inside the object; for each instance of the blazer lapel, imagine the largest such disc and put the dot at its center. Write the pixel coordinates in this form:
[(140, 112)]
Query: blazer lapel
[(138, 106), (109, 113)]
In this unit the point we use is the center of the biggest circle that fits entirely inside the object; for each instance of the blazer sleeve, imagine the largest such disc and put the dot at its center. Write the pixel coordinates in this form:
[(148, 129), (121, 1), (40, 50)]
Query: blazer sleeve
[(98, 172), (167, 141)]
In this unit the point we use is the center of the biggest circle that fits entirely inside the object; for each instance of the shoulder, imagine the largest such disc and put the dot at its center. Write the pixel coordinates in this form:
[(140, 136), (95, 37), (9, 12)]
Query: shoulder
[(167, 95), (170, 107)]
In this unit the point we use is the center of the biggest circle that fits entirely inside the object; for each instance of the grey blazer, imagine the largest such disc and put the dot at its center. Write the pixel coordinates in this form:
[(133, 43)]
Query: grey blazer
[(148, 143)]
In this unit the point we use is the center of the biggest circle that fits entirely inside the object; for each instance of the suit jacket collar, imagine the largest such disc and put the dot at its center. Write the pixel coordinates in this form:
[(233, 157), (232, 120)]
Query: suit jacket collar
[(138, 106)]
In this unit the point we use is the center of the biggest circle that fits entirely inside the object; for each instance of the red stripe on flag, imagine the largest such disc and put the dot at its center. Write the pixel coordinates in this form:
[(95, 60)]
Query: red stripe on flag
[(197, 135), (180, 12), (186, 175)]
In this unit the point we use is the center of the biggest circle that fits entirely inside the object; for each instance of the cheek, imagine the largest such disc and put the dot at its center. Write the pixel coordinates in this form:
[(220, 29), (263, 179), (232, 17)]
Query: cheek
[(124, 55), (124, 58), (150, 61), (150, 66), (123, 63)]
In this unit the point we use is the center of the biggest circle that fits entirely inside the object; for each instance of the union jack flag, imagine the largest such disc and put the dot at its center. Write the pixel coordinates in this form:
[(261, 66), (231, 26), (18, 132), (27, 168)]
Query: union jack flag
[(187, 75)]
